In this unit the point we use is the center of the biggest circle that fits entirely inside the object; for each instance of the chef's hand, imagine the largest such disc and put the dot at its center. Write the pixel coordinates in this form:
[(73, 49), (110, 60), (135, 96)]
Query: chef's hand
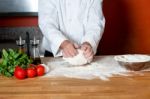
[(69, 49), (87, 51)]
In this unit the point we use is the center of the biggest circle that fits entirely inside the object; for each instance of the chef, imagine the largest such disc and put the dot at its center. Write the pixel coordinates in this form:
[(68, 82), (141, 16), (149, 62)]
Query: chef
[(68, 25)]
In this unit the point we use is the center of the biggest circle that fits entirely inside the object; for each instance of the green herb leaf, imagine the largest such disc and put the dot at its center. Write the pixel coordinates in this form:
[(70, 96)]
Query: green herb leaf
[(8, 74), (4, 54), (12, 58)]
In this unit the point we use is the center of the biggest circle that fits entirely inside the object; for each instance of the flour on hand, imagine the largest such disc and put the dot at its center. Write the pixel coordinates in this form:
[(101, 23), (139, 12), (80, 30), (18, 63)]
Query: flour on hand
[(79, 59)]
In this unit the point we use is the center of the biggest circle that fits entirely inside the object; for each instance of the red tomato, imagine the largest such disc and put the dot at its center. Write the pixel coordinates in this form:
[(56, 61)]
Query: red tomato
[(40, 70), (31, 72), (20, 73)]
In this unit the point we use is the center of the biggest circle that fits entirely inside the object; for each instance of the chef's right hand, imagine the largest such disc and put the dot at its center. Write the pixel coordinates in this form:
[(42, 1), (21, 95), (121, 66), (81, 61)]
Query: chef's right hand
[(69, 49)]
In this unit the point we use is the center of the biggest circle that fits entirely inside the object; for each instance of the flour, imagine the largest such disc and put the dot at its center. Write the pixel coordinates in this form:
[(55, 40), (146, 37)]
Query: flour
[(79, 59), (132, 58), (102, 68)]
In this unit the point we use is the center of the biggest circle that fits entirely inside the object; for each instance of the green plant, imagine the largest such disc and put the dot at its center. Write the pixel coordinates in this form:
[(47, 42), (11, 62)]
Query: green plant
[(12, 58)]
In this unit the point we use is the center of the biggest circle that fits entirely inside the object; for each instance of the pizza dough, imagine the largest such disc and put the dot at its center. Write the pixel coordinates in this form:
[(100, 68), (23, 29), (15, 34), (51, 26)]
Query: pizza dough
[(78, 59)]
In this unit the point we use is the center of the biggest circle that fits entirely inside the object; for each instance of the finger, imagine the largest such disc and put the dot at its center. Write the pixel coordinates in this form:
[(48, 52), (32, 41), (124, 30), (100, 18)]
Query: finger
[(70, 54), (83, 48), (88, 55), (70, 51), (66, 53), (91, 57), (76, 46), (73, 52), (88, 50)]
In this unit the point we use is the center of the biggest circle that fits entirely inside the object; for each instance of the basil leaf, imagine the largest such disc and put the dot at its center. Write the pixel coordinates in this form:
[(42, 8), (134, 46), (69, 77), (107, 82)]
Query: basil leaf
[(5, 54), (8, 74), (4, 62), (12, 58)]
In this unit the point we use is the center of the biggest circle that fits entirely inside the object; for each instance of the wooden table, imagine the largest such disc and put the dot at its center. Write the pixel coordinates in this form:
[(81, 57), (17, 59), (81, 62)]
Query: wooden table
[(119, 87)]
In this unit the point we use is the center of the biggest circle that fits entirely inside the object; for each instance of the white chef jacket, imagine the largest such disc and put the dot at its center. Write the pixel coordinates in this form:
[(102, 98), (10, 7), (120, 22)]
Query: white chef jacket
[(75, 20)]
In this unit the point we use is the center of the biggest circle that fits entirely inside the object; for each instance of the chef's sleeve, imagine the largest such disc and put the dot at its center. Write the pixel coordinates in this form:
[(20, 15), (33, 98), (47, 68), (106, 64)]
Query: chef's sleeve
[(48, 23), (95, 25)]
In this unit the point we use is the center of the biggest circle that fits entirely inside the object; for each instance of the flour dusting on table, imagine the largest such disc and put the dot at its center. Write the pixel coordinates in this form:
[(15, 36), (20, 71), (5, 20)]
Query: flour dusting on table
[(102, 68)]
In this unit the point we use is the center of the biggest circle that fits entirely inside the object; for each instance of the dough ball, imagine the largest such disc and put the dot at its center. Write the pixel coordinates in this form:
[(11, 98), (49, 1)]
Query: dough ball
[(79, 59)]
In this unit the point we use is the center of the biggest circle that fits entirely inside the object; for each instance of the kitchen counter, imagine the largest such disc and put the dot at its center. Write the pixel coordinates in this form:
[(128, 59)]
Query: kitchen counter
[(119, 87)]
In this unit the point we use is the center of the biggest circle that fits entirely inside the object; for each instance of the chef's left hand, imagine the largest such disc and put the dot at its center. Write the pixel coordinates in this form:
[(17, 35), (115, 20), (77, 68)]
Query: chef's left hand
[(87, 51)]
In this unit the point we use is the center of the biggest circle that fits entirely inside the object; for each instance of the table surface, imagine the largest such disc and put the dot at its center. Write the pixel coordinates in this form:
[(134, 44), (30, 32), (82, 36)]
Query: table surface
[(119, 87)]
